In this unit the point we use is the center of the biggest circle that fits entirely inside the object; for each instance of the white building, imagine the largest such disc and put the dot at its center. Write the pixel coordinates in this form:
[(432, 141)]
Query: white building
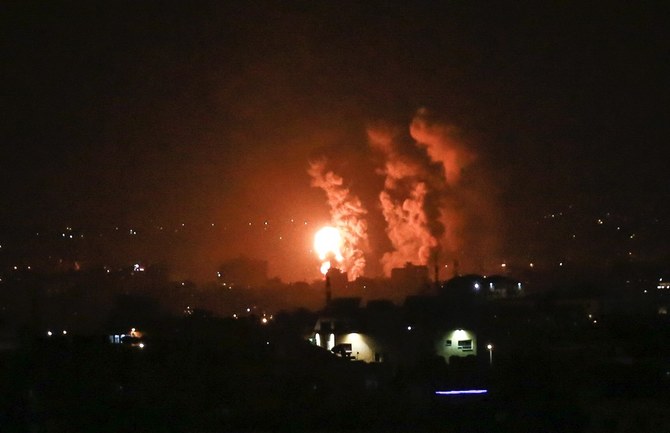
[(456, 342)]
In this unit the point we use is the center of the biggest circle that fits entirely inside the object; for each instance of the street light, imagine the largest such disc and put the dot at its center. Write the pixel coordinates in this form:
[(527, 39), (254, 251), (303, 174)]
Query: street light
[(489, 347)]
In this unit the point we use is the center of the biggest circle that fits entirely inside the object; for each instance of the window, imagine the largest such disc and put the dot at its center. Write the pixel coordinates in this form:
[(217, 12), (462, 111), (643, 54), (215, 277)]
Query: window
[(448, 343), (465, 344)]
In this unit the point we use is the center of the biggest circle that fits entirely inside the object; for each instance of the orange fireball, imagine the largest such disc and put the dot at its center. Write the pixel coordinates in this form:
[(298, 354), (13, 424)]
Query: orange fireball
[(328, 244)]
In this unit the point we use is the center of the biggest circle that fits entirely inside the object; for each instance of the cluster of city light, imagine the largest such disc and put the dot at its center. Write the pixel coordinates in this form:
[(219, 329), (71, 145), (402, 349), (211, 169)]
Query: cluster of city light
[(265, 317), (134, 334), (73, 233)]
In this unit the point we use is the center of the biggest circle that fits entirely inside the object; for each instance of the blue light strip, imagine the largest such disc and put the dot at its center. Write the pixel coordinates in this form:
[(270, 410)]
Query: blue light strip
[(463, 391)]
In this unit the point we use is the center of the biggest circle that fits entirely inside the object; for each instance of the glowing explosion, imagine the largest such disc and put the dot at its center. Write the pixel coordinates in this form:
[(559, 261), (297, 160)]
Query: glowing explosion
[(424, 201), (328, 244)]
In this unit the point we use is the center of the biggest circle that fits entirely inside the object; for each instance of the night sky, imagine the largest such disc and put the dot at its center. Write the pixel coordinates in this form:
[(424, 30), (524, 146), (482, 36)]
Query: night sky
[(182, 132)]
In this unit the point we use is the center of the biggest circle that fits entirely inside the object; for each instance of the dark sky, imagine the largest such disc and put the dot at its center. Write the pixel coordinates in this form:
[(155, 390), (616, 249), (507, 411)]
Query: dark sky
[(156, 114)]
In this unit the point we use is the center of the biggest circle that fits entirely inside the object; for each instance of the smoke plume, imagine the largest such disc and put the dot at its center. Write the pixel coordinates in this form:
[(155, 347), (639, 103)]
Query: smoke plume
[(347, 215), (420, 201)]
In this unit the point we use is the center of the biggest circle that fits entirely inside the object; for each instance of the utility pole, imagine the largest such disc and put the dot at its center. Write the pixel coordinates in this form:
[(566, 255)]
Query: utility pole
[(328, 291)]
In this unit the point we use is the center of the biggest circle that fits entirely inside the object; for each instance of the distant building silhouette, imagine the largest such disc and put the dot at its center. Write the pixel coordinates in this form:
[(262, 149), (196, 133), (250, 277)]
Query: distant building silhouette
[(411, 278), (494, 286), (243, 272), (336, 281)]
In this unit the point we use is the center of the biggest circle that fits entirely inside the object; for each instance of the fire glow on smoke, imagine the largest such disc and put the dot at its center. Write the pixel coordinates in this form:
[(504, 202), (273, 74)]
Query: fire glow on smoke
[(426, 199)]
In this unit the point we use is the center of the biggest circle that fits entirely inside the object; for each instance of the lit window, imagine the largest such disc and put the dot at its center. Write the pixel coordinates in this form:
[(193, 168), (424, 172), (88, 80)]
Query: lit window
[(465, 344)]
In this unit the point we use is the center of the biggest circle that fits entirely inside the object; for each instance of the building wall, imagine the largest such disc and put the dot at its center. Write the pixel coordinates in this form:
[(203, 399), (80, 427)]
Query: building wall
[(410, 278), (454, 343), (363, 347)]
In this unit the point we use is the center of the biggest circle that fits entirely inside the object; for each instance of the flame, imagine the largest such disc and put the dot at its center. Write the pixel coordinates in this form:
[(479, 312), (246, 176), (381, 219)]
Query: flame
[(328, 244)]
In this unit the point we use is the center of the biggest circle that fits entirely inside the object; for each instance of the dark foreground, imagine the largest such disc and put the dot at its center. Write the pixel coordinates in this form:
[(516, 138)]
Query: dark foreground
[(237, 377)]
